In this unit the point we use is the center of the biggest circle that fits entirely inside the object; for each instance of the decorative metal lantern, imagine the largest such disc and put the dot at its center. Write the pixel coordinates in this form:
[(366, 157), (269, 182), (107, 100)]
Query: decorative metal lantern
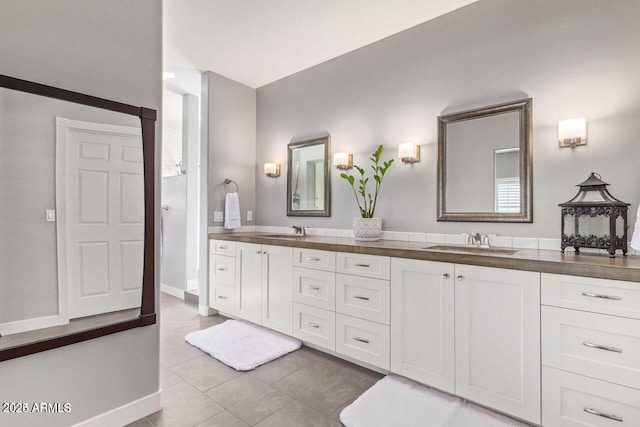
[(594, 219)]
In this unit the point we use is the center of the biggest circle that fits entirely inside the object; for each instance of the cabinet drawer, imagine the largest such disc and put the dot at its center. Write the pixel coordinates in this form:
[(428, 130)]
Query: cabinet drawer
[(374, 266), (596, 345), (314, 287), (363, 340), (570, 400), (314, 325), (223, 298), (363, 297), (605, 296), (222, 270), (223, 247), (320, 260)]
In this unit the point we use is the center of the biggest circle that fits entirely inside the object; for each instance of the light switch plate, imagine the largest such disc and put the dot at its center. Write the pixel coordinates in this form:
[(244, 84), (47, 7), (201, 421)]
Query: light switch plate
[(51, 215), (249, 216), (218, 216)]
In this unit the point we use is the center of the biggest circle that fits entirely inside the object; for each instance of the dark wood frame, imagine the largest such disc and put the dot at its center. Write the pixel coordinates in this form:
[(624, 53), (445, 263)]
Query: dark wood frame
[(147, 120), (524, 108), (327, 177)]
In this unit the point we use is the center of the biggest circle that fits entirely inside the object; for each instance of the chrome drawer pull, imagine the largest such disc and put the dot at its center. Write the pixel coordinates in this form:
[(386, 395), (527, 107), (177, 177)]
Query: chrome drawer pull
[(361, 340), (313, 259), (445, 276), (222, 247), (359, 297), (362, 265), (222, 297), (313, 288), (313, 325), (603, 415), (613, 297), (602, 347), (222, 269)]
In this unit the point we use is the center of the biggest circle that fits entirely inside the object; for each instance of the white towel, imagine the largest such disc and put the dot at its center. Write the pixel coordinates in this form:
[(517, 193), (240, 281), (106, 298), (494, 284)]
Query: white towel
[(232, 211), (635, 240)]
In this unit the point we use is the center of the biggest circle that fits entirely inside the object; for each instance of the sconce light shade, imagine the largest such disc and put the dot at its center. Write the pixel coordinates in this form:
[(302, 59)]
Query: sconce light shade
[(572, 132), (343, 161), (272, 170), (409, 152)]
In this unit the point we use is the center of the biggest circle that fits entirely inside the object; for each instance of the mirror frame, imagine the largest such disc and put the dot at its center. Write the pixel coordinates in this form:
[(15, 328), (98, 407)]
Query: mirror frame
[(327, 177), (524, 108), (147, 309)]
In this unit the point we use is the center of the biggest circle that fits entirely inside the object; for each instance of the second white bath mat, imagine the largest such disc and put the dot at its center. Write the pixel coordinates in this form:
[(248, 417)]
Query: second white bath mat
[(396, 401), (242, 345)]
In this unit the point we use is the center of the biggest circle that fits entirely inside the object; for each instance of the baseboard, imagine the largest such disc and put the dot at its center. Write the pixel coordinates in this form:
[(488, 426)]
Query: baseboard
[(127, 413), (178, 293), (29, 325)]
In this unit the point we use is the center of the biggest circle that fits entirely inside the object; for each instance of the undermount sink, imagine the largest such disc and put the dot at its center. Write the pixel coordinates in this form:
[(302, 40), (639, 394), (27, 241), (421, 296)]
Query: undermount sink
[(287, 236), (471, 249)]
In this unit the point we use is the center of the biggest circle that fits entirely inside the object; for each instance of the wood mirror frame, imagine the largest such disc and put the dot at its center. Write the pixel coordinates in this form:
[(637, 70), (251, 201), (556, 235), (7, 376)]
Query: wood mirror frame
[(147, 310)]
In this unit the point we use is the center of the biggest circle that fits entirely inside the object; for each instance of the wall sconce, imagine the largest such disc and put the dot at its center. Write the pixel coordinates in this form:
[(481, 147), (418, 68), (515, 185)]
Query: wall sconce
[(272, 170), (572, 132), (409, 152), (343, 161)]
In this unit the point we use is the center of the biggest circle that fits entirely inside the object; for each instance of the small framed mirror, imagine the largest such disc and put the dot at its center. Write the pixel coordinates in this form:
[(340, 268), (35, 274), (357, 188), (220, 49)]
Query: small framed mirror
[(308, 181), (485, 164)]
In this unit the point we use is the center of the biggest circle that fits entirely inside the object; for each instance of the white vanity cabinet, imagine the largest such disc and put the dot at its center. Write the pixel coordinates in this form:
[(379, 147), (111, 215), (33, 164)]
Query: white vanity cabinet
[(422, 321), (264, 285), (469, 330), (222, 276)]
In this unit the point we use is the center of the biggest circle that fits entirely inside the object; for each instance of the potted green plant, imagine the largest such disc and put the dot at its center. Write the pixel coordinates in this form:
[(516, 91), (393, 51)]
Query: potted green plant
[(367, 227)]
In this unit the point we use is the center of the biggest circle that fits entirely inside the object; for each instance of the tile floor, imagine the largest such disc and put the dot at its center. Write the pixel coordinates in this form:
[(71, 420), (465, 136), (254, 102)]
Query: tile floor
[(303, 388)]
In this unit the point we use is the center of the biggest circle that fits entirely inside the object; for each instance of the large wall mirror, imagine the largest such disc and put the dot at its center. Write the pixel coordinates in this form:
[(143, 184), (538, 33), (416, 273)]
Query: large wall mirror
[(485, 164), (76, 217), (308, 181)]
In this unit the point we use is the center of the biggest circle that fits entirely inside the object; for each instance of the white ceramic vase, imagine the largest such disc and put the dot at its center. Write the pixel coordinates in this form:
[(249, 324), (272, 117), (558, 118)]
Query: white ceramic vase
[(367, 229)]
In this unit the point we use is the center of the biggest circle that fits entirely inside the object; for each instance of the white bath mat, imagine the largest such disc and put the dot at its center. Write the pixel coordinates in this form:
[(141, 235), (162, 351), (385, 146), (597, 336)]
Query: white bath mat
[(396, 401), (242, 345)]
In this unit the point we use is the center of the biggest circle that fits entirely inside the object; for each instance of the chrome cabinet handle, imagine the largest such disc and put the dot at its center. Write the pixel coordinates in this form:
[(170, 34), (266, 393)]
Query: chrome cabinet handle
[(222, 297), (265, 253), (445, 276), (313, 288), (222, 269), (362, 265), (313, 325), (613, 297), (222, 247), (602, 347), (603, 415), (313, 259), (460, 278), (361, 340), (362, 298), (258, 252)]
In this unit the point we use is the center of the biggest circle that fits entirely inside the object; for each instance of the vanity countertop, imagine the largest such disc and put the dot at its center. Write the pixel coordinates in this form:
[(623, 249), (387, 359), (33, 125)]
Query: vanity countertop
[(585, 264)]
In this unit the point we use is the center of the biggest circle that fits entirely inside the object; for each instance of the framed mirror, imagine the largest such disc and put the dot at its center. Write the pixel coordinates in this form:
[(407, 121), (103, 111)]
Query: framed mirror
[(308, 180), (76, 216), (485, 164)]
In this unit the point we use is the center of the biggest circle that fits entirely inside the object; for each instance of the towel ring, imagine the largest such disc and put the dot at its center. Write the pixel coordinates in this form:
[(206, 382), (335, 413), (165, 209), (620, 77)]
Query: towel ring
[(228, 181)]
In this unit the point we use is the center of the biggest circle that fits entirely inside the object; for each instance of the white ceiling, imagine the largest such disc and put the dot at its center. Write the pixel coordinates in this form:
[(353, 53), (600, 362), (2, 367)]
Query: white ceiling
[(256, 42)]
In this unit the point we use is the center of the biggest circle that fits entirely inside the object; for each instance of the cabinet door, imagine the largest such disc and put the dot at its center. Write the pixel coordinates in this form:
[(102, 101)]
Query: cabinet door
[(497, 315), (249, 282), (422, 321), (277, 288)]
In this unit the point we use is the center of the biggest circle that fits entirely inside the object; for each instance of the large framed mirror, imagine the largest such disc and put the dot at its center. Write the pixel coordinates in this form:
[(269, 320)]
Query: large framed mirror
[(308, 180), (485, 164), (76, 216)]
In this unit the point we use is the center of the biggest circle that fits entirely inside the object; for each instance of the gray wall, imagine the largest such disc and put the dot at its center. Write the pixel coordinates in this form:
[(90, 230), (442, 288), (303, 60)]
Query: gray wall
[(111, 49), (574, 57), (230, 130)]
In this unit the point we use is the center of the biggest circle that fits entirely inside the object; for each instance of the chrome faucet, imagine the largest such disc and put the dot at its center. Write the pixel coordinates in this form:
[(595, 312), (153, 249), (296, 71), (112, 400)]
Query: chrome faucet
[(477, 239), (297, 229)]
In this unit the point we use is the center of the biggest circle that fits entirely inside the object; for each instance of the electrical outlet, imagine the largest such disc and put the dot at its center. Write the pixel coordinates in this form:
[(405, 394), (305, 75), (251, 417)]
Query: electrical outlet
[(249, 216), (51, 215), (218, 216)]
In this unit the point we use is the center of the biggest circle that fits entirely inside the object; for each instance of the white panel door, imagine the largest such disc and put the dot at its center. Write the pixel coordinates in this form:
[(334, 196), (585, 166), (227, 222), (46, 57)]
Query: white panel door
[(422, 321), (277, 288), (100, 203), (249, 282), (497, 315)]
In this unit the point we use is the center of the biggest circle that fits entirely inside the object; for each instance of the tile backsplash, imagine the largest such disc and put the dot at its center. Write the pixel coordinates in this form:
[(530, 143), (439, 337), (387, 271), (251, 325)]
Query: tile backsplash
[(449, 239)]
